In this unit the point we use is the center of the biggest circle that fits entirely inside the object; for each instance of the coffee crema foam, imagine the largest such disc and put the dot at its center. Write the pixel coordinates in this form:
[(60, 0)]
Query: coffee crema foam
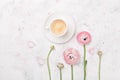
[(58, 27)]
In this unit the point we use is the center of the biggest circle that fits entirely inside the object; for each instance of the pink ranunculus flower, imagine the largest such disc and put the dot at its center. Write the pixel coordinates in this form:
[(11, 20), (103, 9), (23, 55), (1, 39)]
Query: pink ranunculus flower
[(71, 56), (84, 37)]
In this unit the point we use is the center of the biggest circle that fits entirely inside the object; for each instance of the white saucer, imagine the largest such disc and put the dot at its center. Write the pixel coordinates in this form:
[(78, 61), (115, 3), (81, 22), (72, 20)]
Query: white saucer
[(69, 22)]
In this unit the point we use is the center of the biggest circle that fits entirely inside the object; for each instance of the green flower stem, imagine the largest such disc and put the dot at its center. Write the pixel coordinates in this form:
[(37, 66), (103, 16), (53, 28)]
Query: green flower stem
[(72, 72), (99, 68), (48, 64), (60, 74), (60, 66), (85, 62)]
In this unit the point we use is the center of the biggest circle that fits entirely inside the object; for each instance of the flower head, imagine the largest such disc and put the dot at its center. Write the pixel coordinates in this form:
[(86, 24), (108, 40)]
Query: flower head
[(52, 47), (60, 65), (71, 56), (99, 53), (84, 37)]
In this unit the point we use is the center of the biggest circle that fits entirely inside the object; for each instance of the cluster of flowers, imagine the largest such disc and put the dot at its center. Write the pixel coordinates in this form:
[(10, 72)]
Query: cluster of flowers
[(72, 56)]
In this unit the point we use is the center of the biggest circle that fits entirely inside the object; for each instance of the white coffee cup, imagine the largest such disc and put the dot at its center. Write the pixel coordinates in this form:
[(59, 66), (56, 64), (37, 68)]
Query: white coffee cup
[(58, 27)]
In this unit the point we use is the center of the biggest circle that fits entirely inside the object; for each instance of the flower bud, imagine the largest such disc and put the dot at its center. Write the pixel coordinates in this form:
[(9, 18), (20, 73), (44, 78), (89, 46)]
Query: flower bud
[(99, 53), (52, 47), (60, 65)]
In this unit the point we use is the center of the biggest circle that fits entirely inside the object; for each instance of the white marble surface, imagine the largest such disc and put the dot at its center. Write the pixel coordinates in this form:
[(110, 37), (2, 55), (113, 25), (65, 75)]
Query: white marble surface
[(23, 48)]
